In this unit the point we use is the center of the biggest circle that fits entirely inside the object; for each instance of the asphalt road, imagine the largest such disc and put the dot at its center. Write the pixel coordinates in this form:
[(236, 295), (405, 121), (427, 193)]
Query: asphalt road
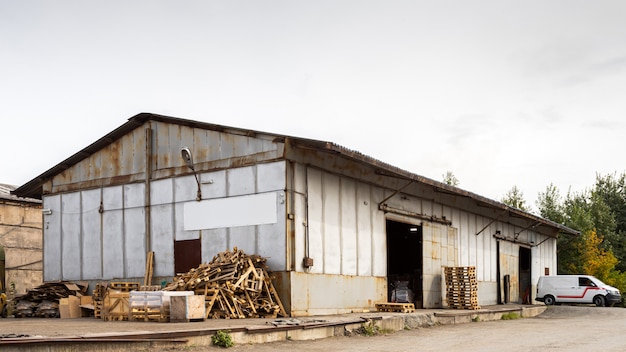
[(560, 328)]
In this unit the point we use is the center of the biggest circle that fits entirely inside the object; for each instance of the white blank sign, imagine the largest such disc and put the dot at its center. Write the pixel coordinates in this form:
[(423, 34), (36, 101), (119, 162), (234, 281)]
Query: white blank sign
[(256, 209)]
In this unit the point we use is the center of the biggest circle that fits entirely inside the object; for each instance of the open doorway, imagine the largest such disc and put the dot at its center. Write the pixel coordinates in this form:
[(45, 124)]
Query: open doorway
[(404, 259), (524, 275)]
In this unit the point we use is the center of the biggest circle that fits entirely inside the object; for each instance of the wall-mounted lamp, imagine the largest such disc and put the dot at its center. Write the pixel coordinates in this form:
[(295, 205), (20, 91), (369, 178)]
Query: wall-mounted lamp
[(185, 153), (46, 211)]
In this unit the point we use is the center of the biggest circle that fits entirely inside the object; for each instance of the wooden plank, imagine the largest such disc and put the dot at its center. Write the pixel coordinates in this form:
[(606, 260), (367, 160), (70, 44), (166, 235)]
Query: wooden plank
[(147, 280)]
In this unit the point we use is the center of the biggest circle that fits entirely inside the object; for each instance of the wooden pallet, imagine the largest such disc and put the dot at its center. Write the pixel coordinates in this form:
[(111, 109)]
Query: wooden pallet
[(124, 286), (396, 307), (115, 305), (462, 306)]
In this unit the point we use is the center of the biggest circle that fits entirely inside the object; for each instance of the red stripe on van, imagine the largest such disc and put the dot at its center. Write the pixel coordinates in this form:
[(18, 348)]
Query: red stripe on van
[(583, 295)]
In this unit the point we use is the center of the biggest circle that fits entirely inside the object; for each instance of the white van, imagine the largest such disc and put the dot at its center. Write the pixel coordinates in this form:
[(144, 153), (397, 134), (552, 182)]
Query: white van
[(576, 289)]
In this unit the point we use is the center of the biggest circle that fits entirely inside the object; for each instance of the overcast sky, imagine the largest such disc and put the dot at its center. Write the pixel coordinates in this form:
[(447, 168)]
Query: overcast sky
[(500, 93)]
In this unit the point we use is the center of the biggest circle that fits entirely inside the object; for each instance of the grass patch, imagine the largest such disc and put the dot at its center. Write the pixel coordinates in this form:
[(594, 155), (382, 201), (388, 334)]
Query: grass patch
[(369, 329), (510, 316), (222, 339)]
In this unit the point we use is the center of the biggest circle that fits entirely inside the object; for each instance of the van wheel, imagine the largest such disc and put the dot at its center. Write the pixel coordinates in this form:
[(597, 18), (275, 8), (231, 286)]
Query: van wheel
[(599, 301), (548, 300)]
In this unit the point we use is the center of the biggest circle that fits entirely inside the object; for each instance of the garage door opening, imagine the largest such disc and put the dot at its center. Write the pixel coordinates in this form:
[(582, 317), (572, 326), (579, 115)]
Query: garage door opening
[(404, 260), (525, 261)]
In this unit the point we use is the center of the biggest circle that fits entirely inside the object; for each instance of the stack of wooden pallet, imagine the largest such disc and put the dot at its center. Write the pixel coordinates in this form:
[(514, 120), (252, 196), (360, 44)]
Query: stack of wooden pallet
[(235, 285), (461, 287), (115, 303)]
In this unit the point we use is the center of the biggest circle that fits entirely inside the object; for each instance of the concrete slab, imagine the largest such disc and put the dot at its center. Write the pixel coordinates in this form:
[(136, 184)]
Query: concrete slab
[(243, 331)]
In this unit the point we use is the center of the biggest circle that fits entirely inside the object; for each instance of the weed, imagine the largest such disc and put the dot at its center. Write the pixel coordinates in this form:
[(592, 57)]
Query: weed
[(369, 329), (222, 339), (510, 316), (476, 319)]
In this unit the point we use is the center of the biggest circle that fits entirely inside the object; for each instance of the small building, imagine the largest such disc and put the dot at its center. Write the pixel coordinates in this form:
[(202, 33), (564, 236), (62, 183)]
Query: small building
[(339, 228), (21, 245)]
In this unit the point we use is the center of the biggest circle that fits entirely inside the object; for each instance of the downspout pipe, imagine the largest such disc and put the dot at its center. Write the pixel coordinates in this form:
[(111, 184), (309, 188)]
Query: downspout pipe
[(148, 177)]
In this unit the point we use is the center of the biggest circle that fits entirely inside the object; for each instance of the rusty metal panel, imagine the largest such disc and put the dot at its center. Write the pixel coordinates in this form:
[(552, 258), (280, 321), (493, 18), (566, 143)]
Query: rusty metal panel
[(332, 224), (134, 229), (91, 252), (379, 236), (270, 177), (164, 155), (184, 191), (113, 246), (52, 239), (162, 226), (213, 185), (316, 219), (300, 221), (364, 229), (348, 205), (214, 241), (135, 241), (162, 239), (162, 192), (241, 181), (71, 240), (319, 294), (272, 243), (124, 156)]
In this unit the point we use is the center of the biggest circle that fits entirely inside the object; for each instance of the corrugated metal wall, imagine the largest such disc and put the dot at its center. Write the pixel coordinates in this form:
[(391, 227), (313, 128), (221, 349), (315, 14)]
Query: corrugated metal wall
[(347, 237)]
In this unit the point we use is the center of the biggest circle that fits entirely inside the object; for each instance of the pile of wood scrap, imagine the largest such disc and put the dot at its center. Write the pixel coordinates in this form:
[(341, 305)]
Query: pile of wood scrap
[(43, 300), (235, 285)]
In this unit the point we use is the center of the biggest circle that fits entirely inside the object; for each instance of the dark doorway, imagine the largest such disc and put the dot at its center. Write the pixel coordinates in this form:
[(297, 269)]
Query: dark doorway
[(404, 259), (524, 275), (187, 255)]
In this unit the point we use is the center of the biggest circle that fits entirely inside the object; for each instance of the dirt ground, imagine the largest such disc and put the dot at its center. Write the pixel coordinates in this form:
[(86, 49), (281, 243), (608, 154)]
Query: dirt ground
[(560, 328)]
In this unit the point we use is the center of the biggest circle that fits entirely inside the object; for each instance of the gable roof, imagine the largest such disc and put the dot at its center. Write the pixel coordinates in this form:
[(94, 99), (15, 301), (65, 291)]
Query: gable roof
[(34, 188)]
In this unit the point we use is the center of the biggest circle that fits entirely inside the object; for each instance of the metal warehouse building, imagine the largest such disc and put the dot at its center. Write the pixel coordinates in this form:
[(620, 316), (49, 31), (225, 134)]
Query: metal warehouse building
[(338, 227)]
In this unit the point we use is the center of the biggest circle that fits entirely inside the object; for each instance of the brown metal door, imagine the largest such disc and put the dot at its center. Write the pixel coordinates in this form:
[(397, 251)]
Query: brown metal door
[(187, 255)]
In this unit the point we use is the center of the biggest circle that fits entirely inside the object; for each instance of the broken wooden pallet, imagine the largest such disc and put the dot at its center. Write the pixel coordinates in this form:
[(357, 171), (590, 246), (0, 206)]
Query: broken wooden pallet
[(235, 285), (396, 307)]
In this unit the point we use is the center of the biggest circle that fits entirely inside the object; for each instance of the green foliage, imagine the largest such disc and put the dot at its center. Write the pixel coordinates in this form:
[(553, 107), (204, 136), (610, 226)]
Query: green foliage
[(596, 260), (222, 339), (450, 179), (369, 329), (510, 316), (515, 198), (550, 206), (600, 215)]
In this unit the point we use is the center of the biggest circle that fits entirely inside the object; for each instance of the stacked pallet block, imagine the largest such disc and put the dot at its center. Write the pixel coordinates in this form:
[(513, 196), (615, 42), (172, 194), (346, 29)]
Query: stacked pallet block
[(115, 301), (461, 287)]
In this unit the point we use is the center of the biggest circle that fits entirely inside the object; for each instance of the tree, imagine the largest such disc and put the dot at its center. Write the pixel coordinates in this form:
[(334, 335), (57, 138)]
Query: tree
[(450, 179), (596, 260), (515, 198), (611, 190), (600, 215), (550, 205)]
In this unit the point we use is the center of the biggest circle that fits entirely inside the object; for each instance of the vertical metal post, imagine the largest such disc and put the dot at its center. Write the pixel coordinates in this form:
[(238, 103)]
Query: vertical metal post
[(148, 177)]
